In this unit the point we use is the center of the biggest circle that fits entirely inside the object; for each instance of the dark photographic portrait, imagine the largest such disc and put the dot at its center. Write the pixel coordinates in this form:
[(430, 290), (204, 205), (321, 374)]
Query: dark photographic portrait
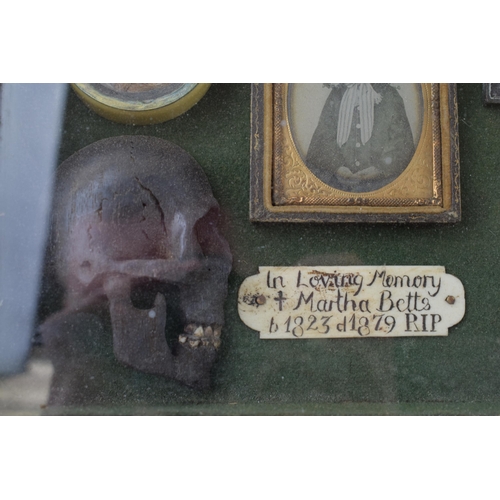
[(362, 138)]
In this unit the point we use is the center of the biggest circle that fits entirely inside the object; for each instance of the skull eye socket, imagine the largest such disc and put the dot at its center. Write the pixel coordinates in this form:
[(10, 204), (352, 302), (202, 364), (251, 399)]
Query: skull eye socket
[(143, 294)]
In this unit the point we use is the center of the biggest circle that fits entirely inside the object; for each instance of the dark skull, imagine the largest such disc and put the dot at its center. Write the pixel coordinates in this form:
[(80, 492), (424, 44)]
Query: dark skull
[(137, 211)]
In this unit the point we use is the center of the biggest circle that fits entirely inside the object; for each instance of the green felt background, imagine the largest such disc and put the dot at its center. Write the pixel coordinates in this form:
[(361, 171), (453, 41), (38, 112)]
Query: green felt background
[(455, 374)]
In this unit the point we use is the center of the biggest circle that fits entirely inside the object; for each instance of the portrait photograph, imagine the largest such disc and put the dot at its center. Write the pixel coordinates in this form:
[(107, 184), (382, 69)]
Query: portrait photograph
[(356, 137), (355, 152)]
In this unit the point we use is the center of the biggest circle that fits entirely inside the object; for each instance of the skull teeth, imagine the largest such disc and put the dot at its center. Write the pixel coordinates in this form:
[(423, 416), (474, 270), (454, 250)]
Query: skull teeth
[(197, 335), (190, 328)]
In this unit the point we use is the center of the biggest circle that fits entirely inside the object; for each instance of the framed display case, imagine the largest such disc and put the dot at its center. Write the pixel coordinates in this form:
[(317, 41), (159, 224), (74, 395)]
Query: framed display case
[(75, 369)]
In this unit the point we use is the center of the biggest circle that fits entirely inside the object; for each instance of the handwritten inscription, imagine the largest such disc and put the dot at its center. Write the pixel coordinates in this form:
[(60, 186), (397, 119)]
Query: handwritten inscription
[(319, 302)]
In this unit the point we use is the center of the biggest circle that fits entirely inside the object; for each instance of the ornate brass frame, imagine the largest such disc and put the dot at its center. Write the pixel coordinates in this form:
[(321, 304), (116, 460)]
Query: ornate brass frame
[(283, 189)]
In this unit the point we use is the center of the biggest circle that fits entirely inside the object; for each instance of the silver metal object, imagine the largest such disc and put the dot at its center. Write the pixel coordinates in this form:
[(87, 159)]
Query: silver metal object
[(31, 125)]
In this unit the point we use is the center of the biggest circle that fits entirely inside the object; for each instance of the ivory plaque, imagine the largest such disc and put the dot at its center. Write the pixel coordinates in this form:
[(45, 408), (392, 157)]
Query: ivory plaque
[(360, 301)]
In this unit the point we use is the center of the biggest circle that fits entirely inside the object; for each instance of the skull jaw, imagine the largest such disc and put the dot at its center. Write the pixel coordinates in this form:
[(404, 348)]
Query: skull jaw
[(192, 366), (139, 340), (136, 336)]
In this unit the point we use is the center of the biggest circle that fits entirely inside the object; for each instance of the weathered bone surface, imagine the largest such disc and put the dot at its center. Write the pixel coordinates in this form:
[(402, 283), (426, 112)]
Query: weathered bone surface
[(138, 211)]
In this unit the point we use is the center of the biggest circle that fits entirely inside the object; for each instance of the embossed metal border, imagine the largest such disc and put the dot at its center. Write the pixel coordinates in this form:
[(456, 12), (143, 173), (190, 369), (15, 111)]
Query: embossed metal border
[(279, 170), (263, 209)]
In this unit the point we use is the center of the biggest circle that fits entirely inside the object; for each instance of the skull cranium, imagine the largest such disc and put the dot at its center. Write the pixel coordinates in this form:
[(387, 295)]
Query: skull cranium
[(138, 211)]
